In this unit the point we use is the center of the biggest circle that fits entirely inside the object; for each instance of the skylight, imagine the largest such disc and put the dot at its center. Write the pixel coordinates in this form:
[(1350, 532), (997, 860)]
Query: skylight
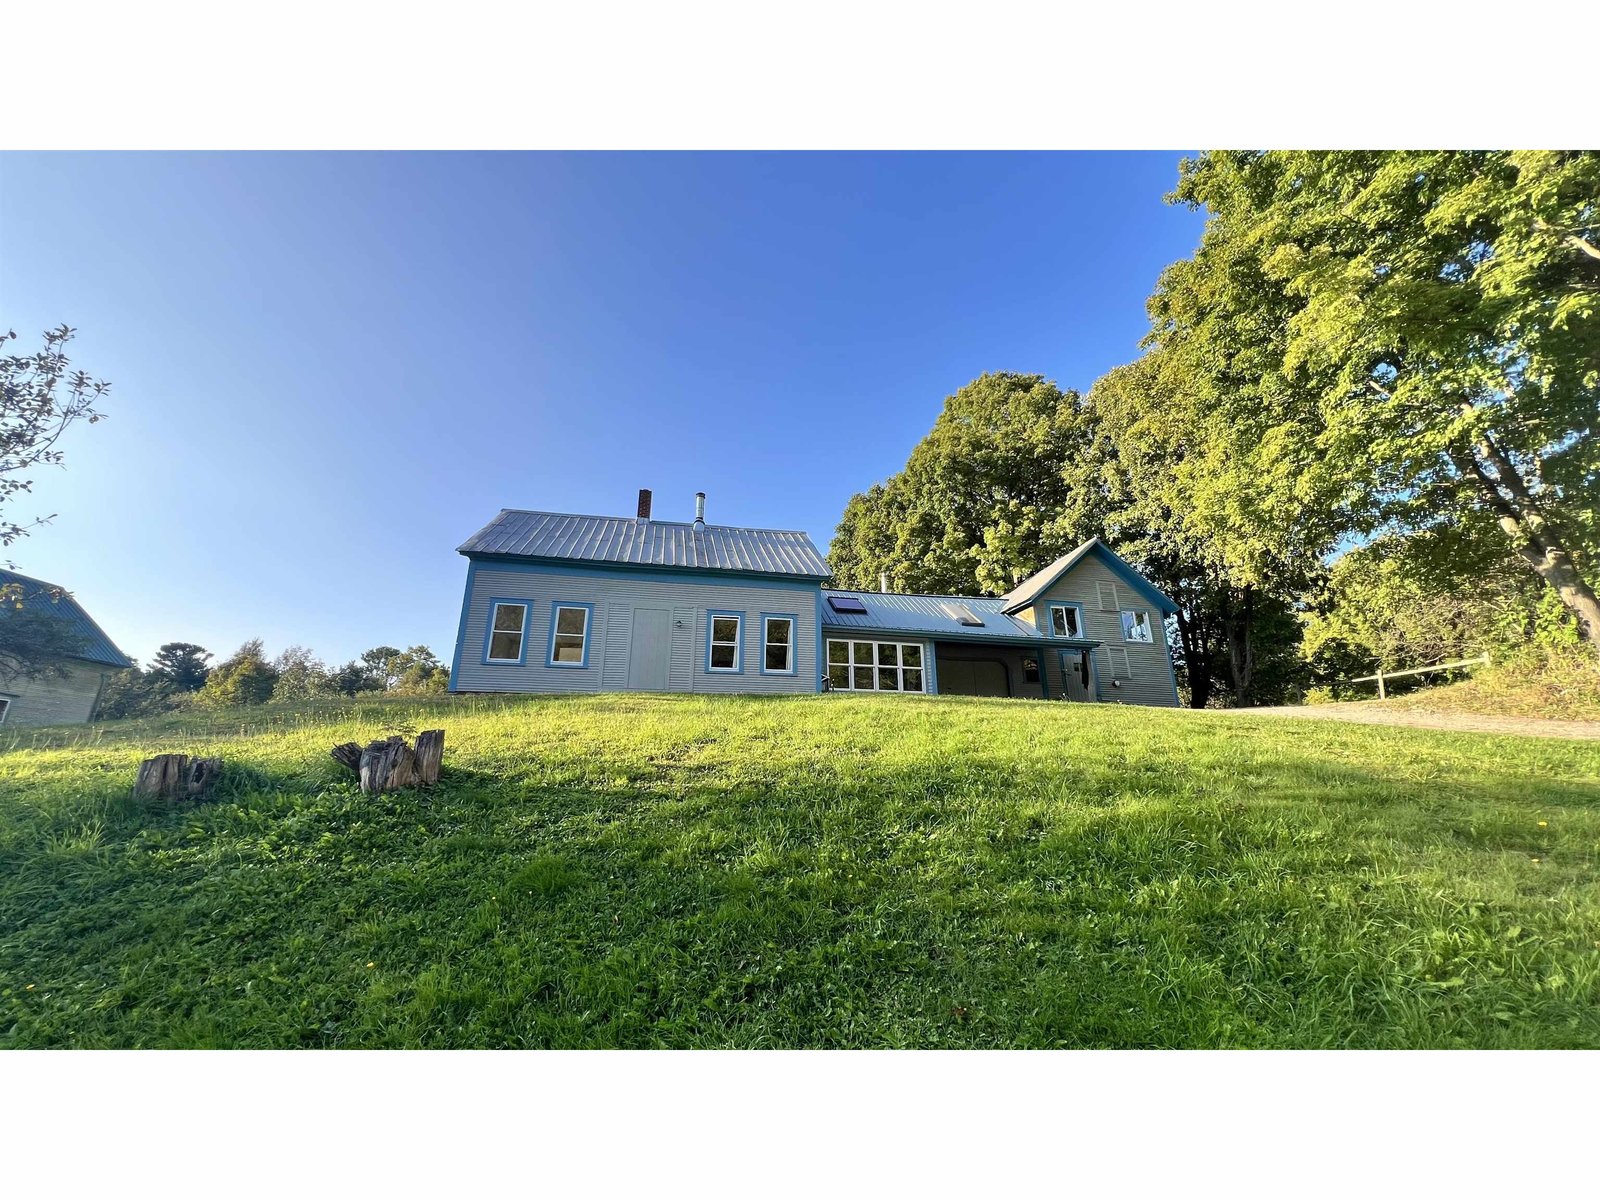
[(962, 614), (846, 604)]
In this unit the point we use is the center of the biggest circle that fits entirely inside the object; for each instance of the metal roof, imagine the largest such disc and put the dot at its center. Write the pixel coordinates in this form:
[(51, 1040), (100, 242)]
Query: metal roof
[(523, 534), (893, 612), (1031, 588), (47, 597)]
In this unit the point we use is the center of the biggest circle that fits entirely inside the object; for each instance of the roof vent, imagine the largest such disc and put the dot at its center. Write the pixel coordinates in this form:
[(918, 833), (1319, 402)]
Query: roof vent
[(883, 581), (644, 504), (699, 510)]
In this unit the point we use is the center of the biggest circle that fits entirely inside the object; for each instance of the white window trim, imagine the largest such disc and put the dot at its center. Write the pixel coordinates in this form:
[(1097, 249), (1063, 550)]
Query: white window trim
[(1149, 626), (522, 634), (1076, 610), (767, 643), (712, 617), (900, 668), (556, 609)]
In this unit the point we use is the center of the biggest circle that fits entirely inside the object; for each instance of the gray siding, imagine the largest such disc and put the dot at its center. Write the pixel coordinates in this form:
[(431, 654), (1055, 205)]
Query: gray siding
[(614, 596), (53, 701), (1152, 680)]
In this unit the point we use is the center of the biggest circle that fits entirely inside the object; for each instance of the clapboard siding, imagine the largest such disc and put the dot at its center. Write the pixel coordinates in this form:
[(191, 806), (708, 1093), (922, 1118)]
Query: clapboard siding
[(1152, 682), (614, 594), (56, 699)]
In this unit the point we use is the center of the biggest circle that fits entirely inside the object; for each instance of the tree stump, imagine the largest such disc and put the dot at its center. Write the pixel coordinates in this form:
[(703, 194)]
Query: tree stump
[(391, 763), (177, 777)]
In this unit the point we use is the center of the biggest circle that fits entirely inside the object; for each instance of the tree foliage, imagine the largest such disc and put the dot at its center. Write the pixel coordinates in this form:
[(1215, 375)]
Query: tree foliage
[(182, 665), (33, 638), (40, 399), (244, 678), (1389, 342)]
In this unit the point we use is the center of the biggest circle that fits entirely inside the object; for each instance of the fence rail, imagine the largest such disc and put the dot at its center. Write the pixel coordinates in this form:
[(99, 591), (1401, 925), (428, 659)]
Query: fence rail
[(1481, 661)]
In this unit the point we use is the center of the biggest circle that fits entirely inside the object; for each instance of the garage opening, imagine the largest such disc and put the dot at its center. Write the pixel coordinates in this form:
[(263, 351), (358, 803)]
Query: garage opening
[(974, 677)]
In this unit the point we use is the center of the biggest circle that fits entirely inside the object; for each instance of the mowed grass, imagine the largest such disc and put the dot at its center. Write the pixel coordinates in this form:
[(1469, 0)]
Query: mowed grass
[(825, 871)]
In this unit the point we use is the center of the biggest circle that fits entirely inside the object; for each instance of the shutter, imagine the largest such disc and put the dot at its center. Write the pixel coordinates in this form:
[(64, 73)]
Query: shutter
[(1108, 595)]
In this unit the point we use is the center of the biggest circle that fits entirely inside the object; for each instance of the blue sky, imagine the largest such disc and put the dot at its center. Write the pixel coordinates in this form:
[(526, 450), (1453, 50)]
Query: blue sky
[(328, 370)]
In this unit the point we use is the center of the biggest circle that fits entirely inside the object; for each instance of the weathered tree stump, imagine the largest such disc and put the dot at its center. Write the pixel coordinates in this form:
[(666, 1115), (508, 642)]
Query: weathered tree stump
[(391, 763), (177, 777)]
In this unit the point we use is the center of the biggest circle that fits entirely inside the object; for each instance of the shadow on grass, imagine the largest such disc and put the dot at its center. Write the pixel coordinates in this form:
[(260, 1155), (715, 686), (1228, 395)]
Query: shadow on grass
[(693, 894)]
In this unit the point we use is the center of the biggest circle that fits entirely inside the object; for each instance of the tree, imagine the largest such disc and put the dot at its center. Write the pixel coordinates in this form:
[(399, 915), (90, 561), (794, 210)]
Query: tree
[(982, 501), (418, 671), (40, 399), (353, 678), (182, 665), (379, 662), (137, 693), (299, 675), (1371, 342), (245, 677), (33, 638)]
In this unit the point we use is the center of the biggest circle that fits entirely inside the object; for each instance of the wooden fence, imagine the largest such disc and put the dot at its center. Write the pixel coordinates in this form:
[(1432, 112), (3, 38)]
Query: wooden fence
[(1481, 661)]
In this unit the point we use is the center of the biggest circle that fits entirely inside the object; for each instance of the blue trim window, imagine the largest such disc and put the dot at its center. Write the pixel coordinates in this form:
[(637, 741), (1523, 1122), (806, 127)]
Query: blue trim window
[(569, 634), (778, 633), (506, 641), (724, 642), (1136, 626), (1066, 620)]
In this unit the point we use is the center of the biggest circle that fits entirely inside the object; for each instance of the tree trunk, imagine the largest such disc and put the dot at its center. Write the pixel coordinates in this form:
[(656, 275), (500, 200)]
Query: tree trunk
[(1196, 658), (1536, 538), (1238, 624)]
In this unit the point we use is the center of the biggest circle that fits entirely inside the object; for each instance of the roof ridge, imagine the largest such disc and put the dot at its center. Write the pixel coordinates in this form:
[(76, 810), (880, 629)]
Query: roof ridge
[(545, 512), (912, 595)]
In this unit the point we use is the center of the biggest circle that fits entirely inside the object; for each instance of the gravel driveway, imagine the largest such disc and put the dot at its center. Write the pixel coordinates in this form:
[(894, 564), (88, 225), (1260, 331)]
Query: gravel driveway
[(1376, 712)]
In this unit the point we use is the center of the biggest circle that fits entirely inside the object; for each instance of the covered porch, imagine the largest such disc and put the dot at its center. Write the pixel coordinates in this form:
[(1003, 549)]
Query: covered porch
[(1024, 669)]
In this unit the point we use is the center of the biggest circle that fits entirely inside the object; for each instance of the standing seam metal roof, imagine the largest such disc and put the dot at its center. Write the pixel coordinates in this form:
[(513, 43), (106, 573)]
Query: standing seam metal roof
[(901, 613), (519, 533), (95, 645)]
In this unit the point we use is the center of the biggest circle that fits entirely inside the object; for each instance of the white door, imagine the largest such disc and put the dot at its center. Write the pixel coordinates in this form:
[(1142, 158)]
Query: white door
[(651, 650)]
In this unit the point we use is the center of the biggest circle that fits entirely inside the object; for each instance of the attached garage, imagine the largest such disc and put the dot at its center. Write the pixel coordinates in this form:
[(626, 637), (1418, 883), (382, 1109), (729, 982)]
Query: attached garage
[(974, 677)]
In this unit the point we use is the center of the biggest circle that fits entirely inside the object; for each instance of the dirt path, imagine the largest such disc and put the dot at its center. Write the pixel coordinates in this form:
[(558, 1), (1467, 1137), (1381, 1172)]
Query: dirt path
[(1376, 712)]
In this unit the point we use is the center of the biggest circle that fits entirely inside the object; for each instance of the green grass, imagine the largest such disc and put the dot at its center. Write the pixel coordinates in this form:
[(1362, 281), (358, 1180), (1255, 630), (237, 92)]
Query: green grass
[(822, 871)]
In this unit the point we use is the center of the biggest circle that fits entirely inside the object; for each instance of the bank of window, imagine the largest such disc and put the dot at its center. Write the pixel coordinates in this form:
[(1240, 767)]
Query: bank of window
[(875, 666), (723, 635), (569, 642), (1136, 626), (777, 643), (508, 626), (1066, 620)]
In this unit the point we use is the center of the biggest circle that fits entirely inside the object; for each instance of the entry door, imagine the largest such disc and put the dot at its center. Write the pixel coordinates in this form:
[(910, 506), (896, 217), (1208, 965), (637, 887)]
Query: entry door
[(1075, 670), (651, 649)]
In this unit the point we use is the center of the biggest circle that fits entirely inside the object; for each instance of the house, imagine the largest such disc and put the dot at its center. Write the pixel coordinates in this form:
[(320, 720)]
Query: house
[(558, 602), (70, 690)]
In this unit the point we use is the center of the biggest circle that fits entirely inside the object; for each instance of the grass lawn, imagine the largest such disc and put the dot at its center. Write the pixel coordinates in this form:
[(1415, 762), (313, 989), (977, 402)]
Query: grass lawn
[(820, 871)]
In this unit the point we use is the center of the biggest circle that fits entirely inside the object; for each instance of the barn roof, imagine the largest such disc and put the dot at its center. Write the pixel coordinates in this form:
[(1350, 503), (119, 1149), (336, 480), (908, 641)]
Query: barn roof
[(518, 533), (47, 597)]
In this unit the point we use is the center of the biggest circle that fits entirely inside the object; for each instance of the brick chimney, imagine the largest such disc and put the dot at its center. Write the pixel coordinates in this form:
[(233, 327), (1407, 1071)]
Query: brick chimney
[(644, 504)]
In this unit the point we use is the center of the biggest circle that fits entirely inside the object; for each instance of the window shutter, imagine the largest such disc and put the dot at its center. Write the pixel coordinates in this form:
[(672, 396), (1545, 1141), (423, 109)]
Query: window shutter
[(1119, 656), (1108, 596)]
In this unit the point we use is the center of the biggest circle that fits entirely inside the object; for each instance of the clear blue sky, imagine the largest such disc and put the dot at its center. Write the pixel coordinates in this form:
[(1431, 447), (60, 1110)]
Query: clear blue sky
[(329, 370)]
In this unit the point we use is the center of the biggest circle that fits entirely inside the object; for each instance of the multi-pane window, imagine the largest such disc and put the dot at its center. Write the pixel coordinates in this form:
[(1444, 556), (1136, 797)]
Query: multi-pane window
[(508, 625), (1066, 620), (1136, 626), (569, 641), (722, 653), (777, 643), (875, 666)]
